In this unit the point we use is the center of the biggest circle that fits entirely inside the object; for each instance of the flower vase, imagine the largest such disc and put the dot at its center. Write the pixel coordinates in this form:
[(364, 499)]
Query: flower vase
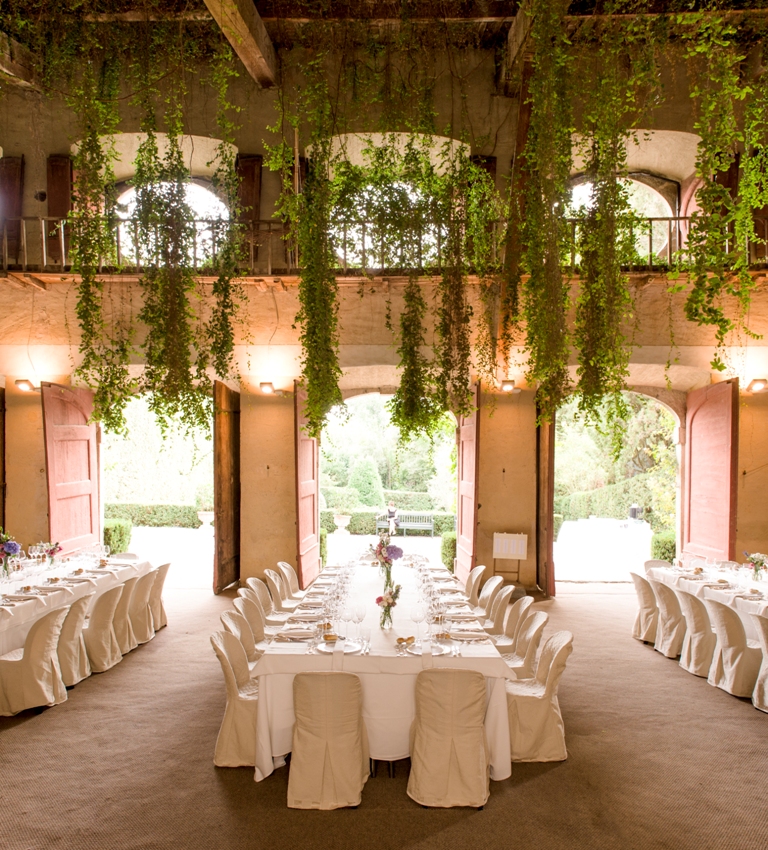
[(757, 574), (5, 565), (386, 619)]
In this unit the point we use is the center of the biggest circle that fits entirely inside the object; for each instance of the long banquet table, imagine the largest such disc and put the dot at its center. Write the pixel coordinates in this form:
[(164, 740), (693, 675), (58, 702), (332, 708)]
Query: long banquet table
[(16, 621), (388, 681), (706, 588)]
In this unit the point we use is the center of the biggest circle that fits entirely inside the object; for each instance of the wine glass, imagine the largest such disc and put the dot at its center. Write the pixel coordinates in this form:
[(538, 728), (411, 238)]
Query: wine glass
[(418, 613), (358, 615)]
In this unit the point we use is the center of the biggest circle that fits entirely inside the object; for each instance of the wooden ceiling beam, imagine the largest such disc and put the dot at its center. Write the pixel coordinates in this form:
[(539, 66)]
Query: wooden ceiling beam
[(241, 24)]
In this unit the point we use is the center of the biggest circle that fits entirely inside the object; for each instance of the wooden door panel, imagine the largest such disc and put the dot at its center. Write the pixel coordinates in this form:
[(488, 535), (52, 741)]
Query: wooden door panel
[(307, 495), (466, 530), (59, 191), (226, 486), (11, 200), (711, 470), (71, 452)]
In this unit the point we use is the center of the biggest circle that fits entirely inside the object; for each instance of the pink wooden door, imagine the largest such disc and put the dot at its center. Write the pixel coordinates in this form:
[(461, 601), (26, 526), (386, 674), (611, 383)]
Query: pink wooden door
[(467, 436), (71, 457), (307, 496), (710, 472)]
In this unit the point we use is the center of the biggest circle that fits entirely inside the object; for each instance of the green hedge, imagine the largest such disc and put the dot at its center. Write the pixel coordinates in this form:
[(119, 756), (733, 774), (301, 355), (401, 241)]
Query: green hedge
[(409, 500), (448, 549), (364, 522), (338, 499), (664, 546), (327, 522), (558, 524), (177, 516), (117, 534), (323, 546), (611, 502)]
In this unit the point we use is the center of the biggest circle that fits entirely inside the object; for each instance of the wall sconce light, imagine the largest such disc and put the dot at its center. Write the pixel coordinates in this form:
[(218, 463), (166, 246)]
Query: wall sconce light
[(758, 385), (509, 387), (267, 387), (26, 386)]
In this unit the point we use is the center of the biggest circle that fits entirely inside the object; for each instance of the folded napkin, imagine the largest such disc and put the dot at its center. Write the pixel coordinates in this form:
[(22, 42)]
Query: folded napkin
[(468, 636), (305, 616), (79, 580), (459, 615), (23, 597), (295, 634), (52, 588), (457, 602), (310, 603)]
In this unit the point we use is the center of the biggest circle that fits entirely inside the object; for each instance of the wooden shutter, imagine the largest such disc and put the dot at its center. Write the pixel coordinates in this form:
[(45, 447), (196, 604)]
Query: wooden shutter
[(249, 175), (545, 507), (2, 457), (59, 194), (307, 495), (72, 463), (226, 486), (467, 435), (11, 198), (710, 472)]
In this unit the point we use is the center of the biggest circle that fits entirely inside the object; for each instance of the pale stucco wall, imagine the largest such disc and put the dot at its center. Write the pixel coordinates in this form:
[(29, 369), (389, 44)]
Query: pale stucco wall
[(268, 480), (507, 481)]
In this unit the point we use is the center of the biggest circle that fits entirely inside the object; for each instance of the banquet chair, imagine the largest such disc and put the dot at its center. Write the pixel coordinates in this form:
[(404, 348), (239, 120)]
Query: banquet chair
[(236, 741), (494, 625), (472, 587), (536, 730), (247, 593), (652, 564), (490, 589), (449, 752), (648, 615), (670, 629), (760, 692), (523, 659), (271, 614), (516, 615), (253, 614), (73, 656), (101, 642), (277, 590), (159, 618), (699, 642), (291, 580), (31, 677), (236, 624), (139, 611), (125, 556), (126, 639), (736, 660), (329, 757)]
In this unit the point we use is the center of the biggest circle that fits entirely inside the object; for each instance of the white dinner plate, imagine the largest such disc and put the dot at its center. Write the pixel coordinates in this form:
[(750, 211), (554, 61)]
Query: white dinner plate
[(349, 647), (437, 649)]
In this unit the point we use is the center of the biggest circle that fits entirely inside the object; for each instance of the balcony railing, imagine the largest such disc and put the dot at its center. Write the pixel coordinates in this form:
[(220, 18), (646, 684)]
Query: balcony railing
[(42, 244)]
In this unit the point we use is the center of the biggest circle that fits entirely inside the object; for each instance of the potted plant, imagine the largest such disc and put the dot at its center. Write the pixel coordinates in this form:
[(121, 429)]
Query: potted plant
[(204, 504)]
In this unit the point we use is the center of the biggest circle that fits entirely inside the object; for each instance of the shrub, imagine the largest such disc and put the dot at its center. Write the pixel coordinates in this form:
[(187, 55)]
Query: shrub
[(363, 522), (117, 534), (365, 478), (327, 522), (409, 500), (177, 516), (664, 546), (558, 524), (342, 500), (323, 546), (448, 549)]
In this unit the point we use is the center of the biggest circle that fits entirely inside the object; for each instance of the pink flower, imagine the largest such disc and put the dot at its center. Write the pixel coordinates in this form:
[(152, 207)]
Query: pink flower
[(378, 600)]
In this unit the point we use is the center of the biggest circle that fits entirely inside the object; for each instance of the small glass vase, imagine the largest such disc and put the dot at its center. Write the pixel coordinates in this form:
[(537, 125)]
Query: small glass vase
[(385, 622), (757, 574)]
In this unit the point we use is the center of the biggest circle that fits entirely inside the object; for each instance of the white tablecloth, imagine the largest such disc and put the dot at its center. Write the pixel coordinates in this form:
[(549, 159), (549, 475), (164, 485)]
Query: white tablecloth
[(388, 681), (736, 599), (16, 622)]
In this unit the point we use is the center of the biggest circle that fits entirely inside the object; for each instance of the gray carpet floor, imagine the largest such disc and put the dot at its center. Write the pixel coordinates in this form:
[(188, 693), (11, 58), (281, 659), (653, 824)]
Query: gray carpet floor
[(657, 759)]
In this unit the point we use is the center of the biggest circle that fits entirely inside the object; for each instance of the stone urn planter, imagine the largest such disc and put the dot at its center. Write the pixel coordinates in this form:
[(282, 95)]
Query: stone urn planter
[(206, 517), (342, 521)]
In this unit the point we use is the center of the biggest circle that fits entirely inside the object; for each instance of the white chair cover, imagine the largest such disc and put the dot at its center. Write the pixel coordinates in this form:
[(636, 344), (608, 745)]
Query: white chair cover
[(99, 635), (126, 639), (487, 595), (291, 580), (247, 593), (760, 693), (236, 742), (472, 587), (648, 615), (277, 590), (272, 615), (159, 618), (494, 625), (139, 611), (73, 656), (517, 614), (252, 612), (736, 661), (329, 759), (236, 624), (536, 729), (699, 642), (31, 676), (449, 753), (523, 659), (649, 565), (670, 630), (126, 556)]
